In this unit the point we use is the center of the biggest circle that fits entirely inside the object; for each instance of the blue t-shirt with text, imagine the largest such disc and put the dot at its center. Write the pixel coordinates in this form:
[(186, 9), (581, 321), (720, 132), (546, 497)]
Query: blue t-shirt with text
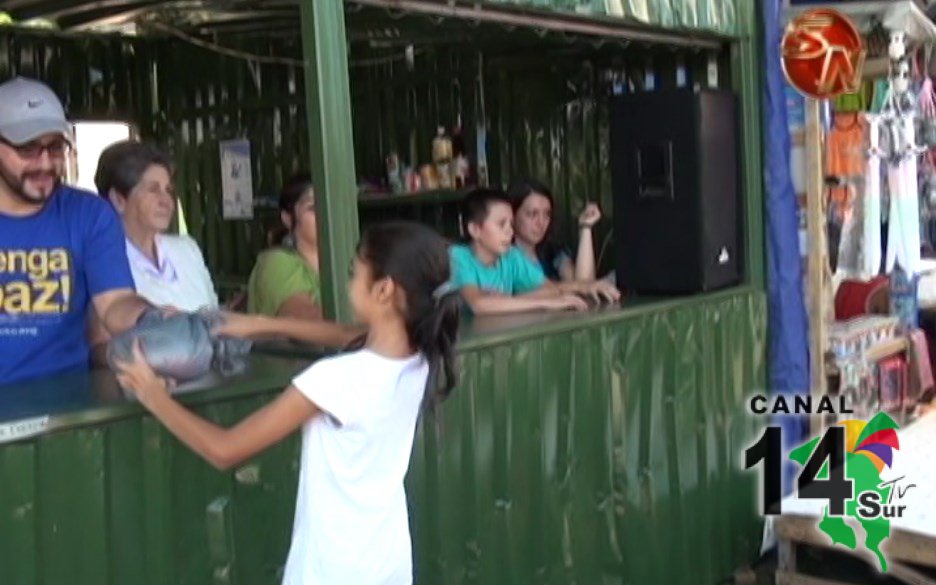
[(51, 265)]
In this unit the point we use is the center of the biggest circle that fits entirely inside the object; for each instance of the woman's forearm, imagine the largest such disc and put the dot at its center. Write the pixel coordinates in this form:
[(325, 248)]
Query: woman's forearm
[(318, 332), (585, 257)]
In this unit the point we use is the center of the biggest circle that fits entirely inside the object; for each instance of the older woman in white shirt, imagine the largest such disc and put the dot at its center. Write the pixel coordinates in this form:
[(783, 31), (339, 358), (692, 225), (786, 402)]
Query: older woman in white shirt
[(168, 270)]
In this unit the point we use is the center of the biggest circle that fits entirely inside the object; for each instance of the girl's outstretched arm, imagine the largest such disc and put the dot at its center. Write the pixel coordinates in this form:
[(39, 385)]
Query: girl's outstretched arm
[(223, 448), (320, 331)]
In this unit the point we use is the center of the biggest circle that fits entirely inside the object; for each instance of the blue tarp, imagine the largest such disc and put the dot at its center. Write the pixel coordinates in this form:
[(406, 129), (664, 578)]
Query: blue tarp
[(788, 323)]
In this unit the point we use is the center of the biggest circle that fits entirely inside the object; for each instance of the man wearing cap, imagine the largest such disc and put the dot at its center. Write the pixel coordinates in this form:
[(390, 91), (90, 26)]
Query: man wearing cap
[(61, 249)]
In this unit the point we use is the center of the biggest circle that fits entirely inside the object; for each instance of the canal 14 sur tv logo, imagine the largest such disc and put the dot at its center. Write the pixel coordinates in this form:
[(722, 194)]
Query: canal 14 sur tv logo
[(843, 467)]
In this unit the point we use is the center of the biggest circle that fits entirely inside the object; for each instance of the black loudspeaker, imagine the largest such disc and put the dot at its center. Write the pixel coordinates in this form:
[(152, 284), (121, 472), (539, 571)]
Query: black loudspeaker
[(674, 172)]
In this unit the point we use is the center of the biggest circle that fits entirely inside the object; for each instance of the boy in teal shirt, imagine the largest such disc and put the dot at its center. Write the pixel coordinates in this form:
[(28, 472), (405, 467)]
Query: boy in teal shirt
[(494, 276)]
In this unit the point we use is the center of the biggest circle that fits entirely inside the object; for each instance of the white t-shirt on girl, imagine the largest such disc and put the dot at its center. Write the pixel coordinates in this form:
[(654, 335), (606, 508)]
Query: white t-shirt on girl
[(352, 524)]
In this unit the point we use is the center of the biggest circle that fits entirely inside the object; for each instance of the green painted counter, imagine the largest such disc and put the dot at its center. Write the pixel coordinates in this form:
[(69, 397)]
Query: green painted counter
[(595, 448)]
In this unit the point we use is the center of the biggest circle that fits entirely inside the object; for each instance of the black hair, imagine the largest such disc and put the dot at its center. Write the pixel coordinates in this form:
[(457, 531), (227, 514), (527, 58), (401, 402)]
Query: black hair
[(293, 190), (122, 165), (547, 250), (477, 204), (416, 258), (290, 195), (520, 190)]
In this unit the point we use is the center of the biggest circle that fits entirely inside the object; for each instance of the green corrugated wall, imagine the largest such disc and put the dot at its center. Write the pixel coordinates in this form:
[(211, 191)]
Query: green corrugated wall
[(206, 98), (600, 452)]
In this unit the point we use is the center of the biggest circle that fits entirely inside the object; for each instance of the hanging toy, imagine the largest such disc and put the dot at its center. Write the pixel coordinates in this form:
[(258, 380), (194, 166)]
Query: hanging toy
[(903, 238), (897, 47)]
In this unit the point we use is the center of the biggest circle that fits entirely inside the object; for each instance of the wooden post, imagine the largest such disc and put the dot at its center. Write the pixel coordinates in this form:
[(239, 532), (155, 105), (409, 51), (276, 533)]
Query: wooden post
[(819, 277)]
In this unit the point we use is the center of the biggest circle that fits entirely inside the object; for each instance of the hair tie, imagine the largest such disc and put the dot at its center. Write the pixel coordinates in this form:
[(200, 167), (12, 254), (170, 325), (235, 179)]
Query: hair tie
[(444, 289)]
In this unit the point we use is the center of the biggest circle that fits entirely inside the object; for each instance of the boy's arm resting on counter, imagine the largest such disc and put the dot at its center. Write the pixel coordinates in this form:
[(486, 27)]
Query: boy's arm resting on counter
[(547, 290), (543, 298)]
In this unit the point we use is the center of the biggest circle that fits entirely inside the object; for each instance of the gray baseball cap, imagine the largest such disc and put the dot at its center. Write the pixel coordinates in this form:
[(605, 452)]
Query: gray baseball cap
[(30, 109)]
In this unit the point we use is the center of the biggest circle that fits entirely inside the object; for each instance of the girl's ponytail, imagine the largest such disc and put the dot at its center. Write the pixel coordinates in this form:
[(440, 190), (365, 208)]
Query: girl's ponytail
[(436, 335)]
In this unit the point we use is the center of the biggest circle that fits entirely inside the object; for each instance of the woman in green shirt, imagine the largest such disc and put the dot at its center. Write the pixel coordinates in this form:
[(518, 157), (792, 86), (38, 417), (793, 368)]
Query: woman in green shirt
[(285, 280)]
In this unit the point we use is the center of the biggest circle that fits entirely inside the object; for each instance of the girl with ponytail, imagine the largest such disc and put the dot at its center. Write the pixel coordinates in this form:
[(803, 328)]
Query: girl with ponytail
[(357, 410)]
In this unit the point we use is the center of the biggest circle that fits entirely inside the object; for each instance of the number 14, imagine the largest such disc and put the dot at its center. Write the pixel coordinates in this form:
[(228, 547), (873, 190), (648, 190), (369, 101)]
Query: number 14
[(837, 489)]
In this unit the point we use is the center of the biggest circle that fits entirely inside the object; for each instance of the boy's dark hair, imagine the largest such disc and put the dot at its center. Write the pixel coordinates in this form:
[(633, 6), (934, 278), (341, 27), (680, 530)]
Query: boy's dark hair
[(122, 165), (417, 260), (477, 204)]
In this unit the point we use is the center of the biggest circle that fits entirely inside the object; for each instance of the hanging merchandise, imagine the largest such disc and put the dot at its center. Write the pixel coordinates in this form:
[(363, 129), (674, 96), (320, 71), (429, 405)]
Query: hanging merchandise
[(845, 155), (903, 234), (871, 212), (845, 167), (850, 250), (926, 123), (903, 298), (858, 101), (879, 96), (926, 130)]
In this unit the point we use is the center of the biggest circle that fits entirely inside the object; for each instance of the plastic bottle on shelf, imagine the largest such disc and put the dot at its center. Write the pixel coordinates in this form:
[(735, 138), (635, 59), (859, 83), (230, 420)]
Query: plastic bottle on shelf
[(394, 174), (442, 158), (461, 168)]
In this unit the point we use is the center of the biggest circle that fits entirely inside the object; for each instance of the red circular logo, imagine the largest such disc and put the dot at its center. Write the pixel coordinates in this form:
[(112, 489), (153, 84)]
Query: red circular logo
[(823, 54)]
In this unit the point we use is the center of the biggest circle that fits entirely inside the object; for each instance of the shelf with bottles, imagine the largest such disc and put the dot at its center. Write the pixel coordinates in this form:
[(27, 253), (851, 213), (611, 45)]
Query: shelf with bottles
[(445, 180)]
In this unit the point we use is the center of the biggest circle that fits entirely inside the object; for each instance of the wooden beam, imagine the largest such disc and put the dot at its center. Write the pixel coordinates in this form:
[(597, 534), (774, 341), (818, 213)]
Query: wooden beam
[(901, 547), (818, 277), (784, 578)]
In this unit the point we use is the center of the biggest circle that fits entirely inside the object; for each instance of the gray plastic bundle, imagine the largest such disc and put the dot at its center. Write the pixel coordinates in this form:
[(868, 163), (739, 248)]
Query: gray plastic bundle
[(181, 347)]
